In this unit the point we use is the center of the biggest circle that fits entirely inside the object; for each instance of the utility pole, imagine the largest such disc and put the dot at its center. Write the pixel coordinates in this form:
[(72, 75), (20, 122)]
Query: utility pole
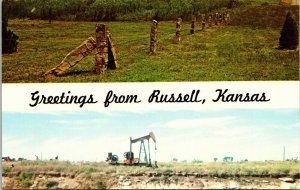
[(283, 153), (130, 152)]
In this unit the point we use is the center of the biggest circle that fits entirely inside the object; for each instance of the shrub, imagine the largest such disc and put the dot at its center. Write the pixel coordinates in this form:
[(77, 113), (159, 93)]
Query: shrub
[(51, 184), (26, 175), (289, 33), (6, 169), (26, 183), (195, 161), (100, 185), (105, 10), (88, 172), (231, 4), (25, 178), (9, 39)]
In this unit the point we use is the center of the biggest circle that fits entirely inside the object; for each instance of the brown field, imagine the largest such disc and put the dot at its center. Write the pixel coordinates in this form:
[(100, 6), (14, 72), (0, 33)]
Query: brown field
[(92, 175)]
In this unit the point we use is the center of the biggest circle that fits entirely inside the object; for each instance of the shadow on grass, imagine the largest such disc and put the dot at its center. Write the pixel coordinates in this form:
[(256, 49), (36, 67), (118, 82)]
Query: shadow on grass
[(74, 73)]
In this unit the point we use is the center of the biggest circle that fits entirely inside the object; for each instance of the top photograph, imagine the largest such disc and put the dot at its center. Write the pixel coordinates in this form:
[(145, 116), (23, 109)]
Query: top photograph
[(97, 41)]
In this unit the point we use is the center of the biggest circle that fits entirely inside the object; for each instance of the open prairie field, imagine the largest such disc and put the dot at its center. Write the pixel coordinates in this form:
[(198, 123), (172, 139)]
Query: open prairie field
[(86, 175), (241, 51)]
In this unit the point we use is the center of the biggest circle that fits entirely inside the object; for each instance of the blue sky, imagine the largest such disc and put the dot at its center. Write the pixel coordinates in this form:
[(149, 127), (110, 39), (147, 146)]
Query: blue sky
[(255, 134)]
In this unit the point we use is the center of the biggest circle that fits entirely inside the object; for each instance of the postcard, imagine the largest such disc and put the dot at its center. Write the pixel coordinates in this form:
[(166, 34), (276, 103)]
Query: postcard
[(161, 94)]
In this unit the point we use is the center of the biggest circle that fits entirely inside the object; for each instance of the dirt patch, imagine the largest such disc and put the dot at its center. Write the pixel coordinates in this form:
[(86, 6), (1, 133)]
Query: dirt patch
[(98, 180), (192, 182)]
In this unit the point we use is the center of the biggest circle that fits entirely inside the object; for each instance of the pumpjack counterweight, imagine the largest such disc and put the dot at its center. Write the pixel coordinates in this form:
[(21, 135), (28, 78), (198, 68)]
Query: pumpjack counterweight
[(144, 154)]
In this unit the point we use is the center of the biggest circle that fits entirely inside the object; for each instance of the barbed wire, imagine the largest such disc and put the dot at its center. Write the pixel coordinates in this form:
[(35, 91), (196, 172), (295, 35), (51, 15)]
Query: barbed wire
[(221, 21)]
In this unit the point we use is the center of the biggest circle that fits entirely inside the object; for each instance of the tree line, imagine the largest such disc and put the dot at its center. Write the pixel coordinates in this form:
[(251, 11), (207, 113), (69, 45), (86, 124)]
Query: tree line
[(111, 10)]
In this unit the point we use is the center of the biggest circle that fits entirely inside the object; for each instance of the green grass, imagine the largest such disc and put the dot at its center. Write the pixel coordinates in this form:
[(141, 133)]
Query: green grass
[(230, 53), (26, 178), (51, 184)]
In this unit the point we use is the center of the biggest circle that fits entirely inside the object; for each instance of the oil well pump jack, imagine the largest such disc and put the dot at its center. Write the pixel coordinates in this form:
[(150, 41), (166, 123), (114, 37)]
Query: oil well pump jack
[(144, 158)]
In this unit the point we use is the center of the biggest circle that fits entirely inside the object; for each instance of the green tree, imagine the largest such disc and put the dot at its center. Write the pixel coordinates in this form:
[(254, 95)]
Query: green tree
[(289, 38), (196, 161), (9, 39)]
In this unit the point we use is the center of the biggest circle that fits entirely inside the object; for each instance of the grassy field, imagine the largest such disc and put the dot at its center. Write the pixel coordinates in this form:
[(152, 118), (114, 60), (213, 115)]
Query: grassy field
[(274, 168), (225, 53), (87, 175)]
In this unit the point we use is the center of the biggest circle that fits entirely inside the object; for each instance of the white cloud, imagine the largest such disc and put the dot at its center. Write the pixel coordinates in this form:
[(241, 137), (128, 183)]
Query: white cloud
[(208, 138), (73, 149), (241, 143), (283, 126), (87, 122), (196, 123), (249, 144), (296, 125)]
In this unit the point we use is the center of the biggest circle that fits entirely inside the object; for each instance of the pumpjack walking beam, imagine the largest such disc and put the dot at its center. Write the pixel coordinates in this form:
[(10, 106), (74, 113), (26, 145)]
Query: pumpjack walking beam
[(141, 139)]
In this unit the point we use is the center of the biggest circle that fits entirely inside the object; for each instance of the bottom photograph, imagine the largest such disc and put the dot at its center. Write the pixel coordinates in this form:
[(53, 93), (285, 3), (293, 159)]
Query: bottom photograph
[(157, 149)]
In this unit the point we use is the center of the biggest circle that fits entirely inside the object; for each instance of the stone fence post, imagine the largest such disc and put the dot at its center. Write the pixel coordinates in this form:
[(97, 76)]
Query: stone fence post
[(192, 31), (101, 56), (153, 37), (178, 29)]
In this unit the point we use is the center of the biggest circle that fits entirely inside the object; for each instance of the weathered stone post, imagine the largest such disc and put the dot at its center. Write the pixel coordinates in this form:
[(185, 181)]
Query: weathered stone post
[(220, 18), (153, 37), (209, 19), (105, 58), (101, 56), (177, 38), (227, 17), (216, 19), (192, 31), (203, 23), (224, 18), (72, 58)]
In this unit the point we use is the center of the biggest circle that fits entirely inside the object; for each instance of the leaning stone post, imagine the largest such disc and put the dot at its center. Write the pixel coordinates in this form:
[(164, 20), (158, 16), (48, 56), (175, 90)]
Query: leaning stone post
[(72, 58), (178, 29), (192, 31), (153, 37), (101, 56)]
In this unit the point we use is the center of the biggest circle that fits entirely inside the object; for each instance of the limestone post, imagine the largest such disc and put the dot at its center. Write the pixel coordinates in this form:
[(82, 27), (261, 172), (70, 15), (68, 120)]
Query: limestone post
[(209, 19), (178, 29), (216, 19), (72, 58), (101, 56), (153, 37), (224, 18), (203, 23), (227, 17), (192, 31), (220, 18)]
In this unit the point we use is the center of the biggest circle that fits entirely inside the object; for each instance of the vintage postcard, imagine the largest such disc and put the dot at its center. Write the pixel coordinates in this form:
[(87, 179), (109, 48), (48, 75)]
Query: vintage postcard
[(161, 94), (141, 41)]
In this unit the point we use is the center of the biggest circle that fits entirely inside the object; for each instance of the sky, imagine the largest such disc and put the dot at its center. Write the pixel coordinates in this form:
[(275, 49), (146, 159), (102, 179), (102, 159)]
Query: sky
[(253, 134)]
